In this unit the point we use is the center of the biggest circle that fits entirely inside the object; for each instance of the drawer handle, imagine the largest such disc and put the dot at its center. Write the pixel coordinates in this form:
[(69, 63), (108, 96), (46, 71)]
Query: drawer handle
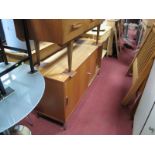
[(151, 129), (89, 73), (76, 26)]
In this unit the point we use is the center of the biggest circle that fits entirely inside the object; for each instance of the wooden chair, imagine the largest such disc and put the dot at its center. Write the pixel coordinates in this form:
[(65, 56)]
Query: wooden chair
[(141, 66), (115, 24)]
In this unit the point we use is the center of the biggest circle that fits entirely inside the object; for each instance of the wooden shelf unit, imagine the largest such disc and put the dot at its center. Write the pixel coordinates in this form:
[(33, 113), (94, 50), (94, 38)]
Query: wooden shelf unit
[(46, 49)]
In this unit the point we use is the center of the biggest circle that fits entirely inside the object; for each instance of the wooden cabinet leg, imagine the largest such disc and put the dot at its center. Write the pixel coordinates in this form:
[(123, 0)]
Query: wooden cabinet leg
[(64, 126), (36, 44), (69, 52), (98, 32)]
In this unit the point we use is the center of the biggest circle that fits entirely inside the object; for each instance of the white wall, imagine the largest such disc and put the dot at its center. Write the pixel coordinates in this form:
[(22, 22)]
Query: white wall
[(146, 103), (10, 35)]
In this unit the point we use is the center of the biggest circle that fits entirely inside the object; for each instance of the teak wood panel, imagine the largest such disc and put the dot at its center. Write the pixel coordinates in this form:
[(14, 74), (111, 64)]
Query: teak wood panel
[(75, 87), (52, 103)]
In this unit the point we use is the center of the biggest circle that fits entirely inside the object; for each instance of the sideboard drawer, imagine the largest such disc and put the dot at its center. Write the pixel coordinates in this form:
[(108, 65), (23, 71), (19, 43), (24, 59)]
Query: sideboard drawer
[(58, 31), (72, 28)]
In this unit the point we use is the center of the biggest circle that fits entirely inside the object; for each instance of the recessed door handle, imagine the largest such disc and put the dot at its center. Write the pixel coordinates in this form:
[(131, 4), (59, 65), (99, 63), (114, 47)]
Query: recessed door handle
[(89, 73), (66, 102)]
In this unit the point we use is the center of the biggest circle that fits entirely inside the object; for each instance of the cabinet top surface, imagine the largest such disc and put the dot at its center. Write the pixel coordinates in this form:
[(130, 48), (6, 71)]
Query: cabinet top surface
[(55, 67)]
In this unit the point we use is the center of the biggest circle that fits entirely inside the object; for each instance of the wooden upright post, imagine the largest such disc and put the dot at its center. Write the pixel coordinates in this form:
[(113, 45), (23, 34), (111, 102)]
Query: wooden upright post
[(36, 44), (69, 53), (98, 32)]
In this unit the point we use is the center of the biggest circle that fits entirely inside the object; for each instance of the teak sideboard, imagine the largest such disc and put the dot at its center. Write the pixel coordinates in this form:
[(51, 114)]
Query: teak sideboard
[(63, 90)]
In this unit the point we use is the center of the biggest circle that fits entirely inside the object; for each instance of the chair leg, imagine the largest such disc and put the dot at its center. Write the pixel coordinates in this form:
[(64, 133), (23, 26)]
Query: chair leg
[(135, 105), (132, 91)]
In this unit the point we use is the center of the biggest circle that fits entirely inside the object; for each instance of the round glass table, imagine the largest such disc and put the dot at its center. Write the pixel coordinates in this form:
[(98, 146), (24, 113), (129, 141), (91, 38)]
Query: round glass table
[(28, 90)]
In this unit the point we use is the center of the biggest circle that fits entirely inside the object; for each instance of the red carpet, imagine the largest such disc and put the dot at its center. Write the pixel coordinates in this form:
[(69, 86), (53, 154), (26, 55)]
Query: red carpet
[(100, 110)]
